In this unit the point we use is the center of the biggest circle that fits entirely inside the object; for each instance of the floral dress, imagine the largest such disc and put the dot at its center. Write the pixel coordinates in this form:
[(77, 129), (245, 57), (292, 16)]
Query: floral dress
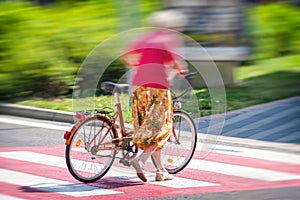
[(152, 116)]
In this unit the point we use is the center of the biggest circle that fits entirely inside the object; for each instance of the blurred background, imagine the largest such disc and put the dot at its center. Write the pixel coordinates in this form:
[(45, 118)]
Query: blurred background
[(256, 44)]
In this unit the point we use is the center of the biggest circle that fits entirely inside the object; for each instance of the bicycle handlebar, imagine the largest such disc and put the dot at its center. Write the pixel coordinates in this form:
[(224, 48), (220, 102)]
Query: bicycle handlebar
[(188, 77)]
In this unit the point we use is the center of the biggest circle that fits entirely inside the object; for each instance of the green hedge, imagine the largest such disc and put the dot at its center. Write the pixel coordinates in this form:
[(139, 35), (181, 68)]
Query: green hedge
[(274, 29), (41, 48)]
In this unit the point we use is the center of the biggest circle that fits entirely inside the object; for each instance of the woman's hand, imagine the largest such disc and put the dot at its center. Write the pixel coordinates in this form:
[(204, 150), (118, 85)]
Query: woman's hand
[(183, 72), (131, 59), (181, 68)]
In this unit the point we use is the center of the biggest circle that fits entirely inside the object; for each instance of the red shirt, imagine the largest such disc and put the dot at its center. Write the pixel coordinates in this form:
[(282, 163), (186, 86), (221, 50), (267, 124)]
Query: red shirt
[(151, 67)]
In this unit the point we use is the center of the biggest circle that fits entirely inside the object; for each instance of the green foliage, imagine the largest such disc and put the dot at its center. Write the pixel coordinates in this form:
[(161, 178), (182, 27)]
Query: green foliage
[(274, 29), (41, 48), (268, 80)]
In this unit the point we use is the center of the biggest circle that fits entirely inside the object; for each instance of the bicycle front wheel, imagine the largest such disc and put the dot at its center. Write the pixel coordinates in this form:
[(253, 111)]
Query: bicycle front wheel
[(181, 146), (85, 161)]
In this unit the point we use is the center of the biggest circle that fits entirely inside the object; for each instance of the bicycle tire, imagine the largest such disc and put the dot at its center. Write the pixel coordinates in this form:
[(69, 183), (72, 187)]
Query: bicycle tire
[(81, 162), (176, 156)]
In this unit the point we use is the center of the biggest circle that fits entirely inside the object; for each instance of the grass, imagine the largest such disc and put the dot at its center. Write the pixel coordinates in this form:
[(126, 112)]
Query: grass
[(63, 104), (266, 81)]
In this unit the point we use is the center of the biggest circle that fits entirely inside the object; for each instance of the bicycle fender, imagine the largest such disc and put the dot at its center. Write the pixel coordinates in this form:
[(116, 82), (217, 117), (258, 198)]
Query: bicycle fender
[(69, 134)]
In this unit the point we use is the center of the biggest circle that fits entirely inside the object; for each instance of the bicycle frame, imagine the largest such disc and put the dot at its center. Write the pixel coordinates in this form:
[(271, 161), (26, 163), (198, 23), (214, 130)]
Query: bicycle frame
[(97, 131), (69, 134), (118, 115)]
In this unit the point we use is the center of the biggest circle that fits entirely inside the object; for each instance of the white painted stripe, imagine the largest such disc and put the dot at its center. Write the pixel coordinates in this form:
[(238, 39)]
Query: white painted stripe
[(39, 158), (235, 170), (290, 158), (52, 185), (241, 171), (6, 197), (35, 124), (178, 182), (115, 171)]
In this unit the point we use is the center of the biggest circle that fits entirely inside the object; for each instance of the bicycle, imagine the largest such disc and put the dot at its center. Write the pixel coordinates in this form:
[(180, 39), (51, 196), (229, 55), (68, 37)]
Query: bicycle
[(93, 142)]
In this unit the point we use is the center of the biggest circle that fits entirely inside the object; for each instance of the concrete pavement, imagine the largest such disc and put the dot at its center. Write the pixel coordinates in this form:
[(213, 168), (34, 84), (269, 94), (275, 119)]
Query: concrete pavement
[(36, 113), (278, 121)]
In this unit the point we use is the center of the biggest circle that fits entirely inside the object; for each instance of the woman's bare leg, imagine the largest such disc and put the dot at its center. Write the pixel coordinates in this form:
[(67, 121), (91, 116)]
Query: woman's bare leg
[(161, 174), (157, 159), (147, 153)]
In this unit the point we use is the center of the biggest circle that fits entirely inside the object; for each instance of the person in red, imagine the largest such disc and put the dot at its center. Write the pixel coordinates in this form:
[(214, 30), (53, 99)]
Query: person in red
[(151, 56)]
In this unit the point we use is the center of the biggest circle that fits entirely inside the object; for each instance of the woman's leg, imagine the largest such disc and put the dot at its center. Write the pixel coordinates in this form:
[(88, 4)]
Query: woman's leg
[(162, 174), (139, 162), (156, 155), (147, 153)]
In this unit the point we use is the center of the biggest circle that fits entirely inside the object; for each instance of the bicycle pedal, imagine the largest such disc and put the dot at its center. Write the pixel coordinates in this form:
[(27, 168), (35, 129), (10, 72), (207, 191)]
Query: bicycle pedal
[(125, 162)]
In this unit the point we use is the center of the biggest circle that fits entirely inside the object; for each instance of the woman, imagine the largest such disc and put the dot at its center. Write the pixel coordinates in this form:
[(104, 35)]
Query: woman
[(151, 56)]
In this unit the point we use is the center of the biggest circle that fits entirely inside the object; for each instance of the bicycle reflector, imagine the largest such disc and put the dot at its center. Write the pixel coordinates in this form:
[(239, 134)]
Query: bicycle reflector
[(67, 135), (80, 115)]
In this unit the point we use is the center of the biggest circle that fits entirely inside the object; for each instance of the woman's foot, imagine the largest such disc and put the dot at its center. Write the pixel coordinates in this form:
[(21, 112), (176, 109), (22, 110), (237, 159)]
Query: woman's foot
[(137, 163), (163, 176)]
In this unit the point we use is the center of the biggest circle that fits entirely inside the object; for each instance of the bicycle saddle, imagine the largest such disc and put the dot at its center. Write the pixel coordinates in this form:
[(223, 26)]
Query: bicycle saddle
[(114, 87)]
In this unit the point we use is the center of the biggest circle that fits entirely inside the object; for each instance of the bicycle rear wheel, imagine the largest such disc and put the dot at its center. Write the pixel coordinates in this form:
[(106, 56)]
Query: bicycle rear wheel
[(85, 161), (181, 146)]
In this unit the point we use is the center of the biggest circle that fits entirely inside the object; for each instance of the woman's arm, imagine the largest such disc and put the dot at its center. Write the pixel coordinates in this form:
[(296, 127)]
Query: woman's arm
[(131, 59)]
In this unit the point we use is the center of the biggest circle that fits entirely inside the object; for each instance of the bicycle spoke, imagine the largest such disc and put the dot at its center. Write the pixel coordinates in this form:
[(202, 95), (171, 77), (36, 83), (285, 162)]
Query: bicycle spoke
[(181, 146), (85, 162)]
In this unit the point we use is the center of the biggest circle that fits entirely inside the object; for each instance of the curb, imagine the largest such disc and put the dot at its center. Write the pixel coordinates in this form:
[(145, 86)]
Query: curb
[(36, 113), (69, 117), (63, 116)]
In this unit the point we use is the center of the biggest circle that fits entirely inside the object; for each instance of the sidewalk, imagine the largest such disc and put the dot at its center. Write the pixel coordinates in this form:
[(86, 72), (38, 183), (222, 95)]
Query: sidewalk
[(273, 125), (270, 125), (278, 121)]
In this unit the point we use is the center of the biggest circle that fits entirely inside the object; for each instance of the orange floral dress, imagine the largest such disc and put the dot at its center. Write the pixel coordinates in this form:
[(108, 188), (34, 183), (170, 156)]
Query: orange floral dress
[(152, 116)]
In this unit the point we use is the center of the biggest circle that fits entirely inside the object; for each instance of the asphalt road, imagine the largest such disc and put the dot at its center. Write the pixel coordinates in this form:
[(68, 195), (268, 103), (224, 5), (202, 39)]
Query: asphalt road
[(19, 131), (292, 193), (24, 132)]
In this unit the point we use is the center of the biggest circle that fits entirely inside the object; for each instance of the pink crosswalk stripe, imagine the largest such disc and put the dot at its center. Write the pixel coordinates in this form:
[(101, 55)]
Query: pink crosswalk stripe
[(41, 172)]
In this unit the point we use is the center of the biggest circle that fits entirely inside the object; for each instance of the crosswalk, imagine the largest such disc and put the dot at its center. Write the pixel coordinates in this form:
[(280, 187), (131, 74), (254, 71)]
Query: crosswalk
[(41, 172)]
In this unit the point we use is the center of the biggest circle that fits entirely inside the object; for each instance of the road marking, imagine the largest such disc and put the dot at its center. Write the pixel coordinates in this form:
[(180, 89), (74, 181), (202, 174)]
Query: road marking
[(124, 180), (290, 158), (52, 185), (35, 124), (6, 197), (178, 182), (228, 169), (56, 161), (241, 171)]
